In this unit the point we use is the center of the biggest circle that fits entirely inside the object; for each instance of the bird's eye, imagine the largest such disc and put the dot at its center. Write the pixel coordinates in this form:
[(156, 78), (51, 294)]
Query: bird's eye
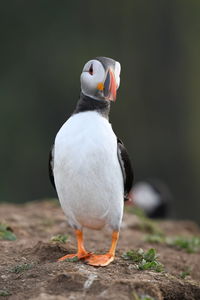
[(91, 69)]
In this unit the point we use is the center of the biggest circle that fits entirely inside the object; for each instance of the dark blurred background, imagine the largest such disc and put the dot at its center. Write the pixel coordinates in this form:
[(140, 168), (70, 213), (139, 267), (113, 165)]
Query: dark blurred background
[(44, 45)]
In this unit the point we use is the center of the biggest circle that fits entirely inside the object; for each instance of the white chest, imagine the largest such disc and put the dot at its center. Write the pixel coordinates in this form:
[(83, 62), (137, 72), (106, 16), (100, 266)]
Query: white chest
[(87, 173)]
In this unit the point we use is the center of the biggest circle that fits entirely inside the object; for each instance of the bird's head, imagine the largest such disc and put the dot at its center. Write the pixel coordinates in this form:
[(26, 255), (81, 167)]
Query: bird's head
[(100, 78)]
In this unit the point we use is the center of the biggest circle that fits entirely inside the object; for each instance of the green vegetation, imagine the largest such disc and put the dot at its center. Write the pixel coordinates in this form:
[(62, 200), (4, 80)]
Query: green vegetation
[(150, 226), (21, 268), (144, 260), (135, 211), (73, 259), (155, 238), (145, 224), (47, 222), (61, 238), (6, 233), (143, 297), (189, 244), (54, 202), (186, 272), (5, 293)]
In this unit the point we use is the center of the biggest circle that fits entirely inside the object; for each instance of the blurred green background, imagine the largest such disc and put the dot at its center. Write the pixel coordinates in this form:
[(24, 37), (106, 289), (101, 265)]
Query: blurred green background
[(44, 45)]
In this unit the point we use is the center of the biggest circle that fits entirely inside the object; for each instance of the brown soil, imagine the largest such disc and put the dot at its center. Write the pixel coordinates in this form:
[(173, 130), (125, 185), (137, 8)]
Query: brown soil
[(35, 224)]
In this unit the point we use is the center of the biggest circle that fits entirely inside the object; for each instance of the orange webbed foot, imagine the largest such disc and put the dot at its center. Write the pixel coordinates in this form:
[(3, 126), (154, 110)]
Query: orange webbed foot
[(100, 260)]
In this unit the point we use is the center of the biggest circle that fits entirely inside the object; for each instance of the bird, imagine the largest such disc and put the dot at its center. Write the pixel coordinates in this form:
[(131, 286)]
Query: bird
[(153, 196), (88, 165)]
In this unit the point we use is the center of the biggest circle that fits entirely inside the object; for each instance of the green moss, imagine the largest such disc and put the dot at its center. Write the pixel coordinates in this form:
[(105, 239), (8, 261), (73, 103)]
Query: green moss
[(6, 233), (5, 293), (61, 238), (73, 259), (186, 272), (21, 268)]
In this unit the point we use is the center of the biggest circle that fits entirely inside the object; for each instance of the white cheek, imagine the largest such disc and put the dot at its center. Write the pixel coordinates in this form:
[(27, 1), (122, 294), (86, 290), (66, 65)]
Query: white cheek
[(117, 73), (89, 82)]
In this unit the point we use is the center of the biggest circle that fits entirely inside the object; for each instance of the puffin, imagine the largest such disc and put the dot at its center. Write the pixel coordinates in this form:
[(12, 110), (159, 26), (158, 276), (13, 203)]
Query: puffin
[(153, 197), (88, 165)]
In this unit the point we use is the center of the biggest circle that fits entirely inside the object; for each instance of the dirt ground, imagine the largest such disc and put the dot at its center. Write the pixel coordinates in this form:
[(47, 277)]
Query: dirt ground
[(35, 223)]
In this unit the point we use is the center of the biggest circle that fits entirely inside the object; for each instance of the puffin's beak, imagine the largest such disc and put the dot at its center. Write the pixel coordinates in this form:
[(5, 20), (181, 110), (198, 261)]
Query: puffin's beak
[(110, 86)]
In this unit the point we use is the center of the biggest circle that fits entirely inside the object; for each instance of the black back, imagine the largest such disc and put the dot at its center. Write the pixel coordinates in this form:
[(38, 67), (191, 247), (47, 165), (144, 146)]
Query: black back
[(126, 168), (51, 162)]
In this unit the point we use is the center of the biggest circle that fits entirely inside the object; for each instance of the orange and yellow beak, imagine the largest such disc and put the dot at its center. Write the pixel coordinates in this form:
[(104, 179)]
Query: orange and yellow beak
[(109, 87)]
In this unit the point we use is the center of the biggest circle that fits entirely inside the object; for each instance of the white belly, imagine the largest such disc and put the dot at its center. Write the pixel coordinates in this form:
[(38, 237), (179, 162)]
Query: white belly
[(87, 173)]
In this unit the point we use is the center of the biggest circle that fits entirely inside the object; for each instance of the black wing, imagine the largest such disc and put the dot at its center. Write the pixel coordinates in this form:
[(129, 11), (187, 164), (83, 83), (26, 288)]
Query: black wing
[(51, 163), (126, 167)]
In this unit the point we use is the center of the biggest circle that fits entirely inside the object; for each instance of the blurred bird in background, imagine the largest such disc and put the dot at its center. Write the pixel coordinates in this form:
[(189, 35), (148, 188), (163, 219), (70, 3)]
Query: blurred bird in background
[(153, 197)]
